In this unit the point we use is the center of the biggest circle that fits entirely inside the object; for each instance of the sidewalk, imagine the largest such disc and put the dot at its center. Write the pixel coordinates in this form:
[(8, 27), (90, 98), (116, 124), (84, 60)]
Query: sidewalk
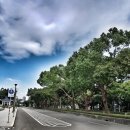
[(4, 117)]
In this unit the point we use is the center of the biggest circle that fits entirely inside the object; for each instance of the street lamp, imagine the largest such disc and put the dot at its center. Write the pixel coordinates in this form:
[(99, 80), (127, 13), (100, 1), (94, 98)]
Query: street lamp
[(14, 98)]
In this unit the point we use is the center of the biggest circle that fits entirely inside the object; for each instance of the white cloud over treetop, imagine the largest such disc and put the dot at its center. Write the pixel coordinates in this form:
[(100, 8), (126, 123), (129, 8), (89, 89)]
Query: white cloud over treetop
[(38, 26)]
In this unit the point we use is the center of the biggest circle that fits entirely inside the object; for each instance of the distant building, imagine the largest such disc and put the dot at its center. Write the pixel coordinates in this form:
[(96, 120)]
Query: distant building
[(24, 99), (6, 101)]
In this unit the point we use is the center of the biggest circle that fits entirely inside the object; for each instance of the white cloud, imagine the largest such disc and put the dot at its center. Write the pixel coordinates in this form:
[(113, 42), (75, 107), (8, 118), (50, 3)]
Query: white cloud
[(12, 80), (37, 27), (9, 82)]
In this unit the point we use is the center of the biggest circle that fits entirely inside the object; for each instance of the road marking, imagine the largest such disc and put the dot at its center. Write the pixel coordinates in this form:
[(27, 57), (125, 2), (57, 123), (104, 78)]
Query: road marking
[(56, 119), (96, 123), (46, 120)]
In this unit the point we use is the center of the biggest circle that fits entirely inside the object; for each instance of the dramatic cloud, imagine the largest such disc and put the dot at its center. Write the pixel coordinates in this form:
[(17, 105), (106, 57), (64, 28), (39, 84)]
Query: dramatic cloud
[(39, 27)]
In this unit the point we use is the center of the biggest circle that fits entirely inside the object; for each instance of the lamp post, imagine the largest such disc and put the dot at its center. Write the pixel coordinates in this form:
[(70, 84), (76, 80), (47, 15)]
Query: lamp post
[(14, 98)]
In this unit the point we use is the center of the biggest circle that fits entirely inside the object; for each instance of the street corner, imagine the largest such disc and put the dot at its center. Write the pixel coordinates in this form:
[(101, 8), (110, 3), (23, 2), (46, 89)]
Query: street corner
[(7, 118)]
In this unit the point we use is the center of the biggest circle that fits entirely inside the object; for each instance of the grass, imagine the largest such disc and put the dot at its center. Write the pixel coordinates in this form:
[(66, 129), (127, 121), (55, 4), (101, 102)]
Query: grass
[(92, 113)]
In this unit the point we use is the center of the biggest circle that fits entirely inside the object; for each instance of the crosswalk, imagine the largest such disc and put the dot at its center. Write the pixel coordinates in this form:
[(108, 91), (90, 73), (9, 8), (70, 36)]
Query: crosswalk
[(46, 120)]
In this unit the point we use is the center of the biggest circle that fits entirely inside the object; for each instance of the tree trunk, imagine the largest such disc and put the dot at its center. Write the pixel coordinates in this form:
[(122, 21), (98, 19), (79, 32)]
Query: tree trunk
[(66, 93), (60, 103), (73, 100), (104, 99), (87, 102)]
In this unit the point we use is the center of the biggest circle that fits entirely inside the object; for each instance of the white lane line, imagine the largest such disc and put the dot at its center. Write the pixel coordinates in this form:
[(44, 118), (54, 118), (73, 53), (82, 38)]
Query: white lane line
[(49, 121), (52, 120), (59, 121), (35, 119)]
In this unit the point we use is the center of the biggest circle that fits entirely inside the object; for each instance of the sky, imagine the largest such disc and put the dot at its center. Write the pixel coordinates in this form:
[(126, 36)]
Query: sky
[(38, 34)]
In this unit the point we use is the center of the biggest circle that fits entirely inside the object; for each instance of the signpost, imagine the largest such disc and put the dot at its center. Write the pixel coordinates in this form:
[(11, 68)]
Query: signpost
[(14, 98), (10, 93)]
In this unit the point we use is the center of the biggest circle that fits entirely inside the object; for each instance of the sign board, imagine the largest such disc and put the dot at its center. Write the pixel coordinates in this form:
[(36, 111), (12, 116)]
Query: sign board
[(10, 92)]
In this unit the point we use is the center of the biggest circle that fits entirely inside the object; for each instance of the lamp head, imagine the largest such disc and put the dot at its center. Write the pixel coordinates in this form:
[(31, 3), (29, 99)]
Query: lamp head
[(15, 84)]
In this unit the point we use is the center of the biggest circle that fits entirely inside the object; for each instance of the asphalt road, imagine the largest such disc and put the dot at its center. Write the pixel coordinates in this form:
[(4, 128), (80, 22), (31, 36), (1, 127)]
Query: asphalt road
[(25, 121)]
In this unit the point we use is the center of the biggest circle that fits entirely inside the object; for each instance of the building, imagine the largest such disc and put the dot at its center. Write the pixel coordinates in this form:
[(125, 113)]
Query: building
[(24, 99), (6, 102)]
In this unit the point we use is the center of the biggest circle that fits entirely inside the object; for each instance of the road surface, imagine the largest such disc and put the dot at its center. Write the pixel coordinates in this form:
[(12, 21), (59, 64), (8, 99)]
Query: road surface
[(34, 119)]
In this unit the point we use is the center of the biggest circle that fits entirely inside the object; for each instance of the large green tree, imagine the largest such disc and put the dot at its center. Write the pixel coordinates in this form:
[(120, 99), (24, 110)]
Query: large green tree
[(102, 62)]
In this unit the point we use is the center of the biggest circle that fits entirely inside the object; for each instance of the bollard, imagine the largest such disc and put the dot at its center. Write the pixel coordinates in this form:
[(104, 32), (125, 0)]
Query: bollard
[(8, 118), (9, 110), (8, 115), (13, 114)]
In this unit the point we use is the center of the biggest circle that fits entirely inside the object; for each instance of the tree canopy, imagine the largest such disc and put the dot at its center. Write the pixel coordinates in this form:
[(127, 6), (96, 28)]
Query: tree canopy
[(91, 73)]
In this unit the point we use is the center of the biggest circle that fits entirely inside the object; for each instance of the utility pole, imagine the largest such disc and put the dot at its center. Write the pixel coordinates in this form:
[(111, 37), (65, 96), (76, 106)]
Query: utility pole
[(14, 98)]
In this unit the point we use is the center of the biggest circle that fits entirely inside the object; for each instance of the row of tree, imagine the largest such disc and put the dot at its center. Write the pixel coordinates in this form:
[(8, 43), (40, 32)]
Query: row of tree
[(94, 76), (3, 93)]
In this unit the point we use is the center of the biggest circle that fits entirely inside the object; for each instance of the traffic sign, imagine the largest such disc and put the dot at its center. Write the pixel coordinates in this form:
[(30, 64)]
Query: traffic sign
[(10, 92)]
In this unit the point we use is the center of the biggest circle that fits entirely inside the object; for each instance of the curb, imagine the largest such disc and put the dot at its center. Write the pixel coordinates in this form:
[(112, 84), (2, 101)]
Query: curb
[(12, 124), (14, 118), (99, 117)]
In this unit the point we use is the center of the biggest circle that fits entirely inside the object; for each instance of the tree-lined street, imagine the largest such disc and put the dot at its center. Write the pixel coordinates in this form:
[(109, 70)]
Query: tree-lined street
[(96, 77), (25, 122), (64, 65), (94, 81)]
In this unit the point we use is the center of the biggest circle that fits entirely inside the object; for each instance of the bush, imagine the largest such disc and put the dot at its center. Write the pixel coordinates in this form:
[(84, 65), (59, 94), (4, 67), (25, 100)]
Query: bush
[(125, 116)]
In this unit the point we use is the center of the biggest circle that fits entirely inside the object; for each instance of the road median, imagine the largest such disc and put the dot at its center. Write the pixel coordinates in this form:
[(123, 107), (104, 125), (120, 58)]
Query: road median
[(116, 118)]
